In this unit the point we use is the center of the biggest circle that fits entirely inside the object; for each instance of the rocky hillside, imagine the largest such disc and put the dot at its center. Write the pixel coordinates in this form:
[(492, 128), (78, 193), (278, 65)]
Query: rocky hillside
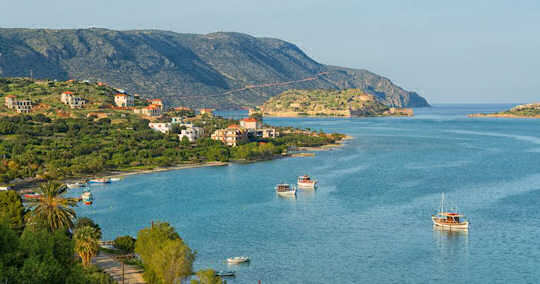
[(184, 69), (350, 102)]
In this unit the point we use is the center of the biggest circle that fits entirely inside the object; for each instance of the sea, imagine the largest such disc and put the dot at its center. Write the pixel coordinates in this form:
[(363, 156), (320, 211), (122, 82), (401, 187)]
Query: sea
[(369, 220)]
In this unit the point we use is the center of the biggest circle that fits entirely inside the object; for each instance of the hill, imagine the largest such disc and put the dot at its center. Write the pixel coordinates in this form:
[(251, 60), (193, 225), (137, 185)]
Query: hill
[(520, 111), (350, 102), (184, 69)]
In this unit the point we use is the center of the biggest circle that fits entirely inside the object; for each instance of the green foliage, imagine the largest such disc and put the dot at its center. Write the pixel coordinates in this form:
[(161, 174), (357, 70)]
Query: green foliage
[(12, 210), (53, 209), (86, 243), (85, 221), (165, 256), (207, 276), (125, 243)]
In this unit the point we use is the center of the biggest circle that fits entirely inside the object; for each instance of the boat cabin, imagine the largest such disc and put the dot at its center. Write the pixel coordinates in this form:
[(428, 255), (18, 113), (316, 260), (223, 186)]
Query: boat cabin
[(450, 217)]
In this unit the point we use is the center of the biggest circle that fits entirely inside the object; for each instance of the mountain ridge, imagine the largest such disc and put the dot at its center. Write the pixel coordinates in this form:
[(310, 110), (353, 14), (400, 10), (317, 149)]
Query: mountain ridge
[(183, 69)]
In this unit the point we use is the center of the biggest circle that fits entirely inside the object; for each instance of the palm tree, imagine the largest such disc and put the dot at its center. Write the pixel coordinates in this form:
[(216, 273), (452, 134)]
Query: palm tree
[(86, 243), (52, 208)]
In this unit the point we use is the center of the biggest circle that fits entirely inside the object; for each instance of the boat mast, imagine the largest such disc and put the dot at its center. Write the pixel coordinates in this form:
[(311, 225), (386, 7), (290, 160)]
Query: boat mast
[(442, 202)]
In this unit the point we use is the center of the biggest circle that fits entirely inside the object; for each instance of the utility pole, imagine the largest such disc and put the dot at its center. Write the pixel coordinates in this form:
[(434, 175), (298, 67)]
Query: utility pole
[(31, 75)]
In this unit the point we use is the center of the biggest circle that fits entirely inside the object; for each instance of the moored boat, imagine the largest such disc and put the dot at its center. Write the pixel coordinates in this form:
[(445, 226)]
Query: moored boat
[(449, 219), (237, 259), (307, 182), (285, 189), (87, 197), (75, 185), (100, 180), (32, 195), (222, 273)]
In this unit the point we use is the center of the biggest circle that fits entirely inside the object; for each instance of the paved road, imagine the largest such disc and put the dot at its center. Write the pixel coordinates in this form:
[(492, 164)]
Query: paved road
[(132, 274)]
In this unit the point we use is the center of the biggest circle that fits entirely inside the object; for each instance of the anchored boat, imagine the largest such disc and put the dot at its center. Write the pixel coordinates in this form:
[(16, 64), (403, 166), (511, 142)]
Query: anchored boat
[(222, 273), (285, 189), (87, 197), (75, 185), (237, 259), (305, 181), (100, 180), (449, 219)]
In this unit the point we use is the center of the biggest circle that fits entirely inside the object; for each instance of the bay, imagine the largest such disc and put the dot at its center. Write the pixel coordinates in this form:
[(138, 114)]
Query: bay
[(370, 219)]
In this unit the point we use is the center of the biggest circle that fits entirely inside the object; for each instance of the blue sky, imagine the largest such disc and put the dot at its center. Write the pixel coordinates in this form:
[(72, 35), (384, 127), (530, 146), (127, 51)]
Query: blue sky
[(448, 51)]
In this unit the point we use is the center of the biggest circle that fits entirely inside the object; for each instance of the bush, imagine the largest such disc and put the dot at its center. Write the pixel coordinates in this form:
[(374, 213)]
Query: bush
[(125, 243)]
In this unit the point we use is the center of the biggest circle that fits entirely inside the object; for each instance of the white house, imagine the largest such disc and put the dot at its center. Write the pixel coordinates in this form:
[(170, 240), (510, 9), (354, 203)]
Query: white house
[(163, 127), (192, 133), (123, 100)]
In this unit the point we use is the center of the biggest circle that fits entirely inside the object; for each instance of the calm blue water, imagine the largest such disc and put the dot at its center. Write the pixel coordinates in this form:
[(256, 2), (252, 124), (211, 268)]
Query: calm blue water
[(369, 221)]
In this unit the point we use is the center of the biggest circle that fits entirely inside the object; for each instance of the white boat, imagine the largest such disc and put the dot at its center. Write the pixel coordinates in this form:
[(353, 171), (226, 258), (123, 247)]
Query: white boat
[(285, 189), (237, 259), (306, 182), (116, 179), (100, 180), (222, 273), (449, 219), (75, 185), (87, 197)]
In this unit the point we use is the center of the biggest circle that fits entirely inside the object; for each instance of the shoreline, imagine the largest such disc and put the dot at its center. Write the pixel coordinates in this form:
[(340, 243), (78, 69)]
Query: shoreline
[(327, 147), (500, 115)]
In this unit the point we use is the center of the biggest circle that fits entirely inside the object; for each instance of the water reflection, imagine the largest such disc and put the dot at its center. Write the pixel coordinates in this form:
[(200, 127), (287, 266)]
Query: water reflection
[(451, 242)]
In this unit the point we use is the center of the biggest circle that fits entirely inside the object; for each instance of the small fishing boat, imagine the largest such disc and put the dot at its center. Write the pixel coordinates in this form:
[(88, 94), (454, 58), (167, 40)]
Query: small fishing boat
[(222, 273), (237, 259), (116, 179), (306, 182), (285, 189), (32, 195), (100, 180), (75, 185), (87, 197), (449, 219)]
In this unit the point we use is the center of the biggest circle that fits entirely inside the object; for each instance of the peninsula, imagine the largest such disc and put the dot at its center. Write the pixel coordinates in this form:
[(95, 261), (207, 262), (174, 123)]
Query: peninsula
[(340, 103), (520, 111)]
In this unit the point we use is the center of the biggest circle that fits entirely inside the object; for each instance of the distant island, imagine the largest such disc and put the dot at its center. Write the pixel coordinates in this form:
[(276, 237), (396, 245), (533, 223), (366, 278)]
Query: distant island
[(341, 103), (520, 111), (218, 70)]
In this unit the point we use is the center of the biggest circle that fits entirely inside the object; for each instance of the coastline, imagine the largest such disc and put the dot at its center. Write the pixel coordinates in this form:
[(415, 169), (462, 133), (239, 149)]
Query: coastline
[(327, 147), (501, 115)]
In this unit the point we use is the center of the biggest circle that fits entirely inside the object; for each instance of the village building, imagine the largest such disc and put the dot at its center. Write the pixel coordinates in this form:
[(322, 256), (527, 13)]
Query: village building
[(231, 136), (123, 100), (151, 110), (163, 127), (266, 133), (192, 133), (251, 123), (207, 111), (20, 105), (71, 100), (157, 102), (177, 120)]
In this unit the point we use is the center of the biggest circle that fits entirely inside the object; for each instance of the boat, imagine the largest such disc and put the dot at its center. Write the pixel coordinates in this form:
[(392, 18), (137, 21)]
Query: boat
[(76, 185), (100, 180), (222, 273), (237, 259), (32, 195), (449, 219), (285, 189), (305, 181), (116, 179), (87, 197)]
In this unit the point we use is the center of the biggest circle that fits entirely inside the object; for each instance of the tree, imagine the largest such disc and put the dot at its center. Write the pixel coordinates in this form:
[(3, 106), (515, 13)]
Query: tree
[(165, 256), (12, 210), (125, 243), (85, 221), (52, 209), (207, 276), (86, 243)]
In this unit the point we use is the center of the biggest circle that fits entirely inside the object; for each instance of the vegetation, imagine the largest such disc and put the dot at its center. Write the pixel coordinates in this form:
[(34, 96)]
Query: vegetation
[(85, 221), (349, 102), (520, 111), (207, 276), (140, 62), (126, 244), (52, 209), (165, 256), (12, 210), (86, 243)]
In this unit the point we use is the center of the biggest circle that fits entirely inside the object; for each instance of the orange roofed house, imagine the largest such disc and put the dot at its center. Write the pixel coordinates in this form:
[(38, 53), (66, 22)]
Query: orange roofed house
[(231, 136), (71, 100), (207, 111), (123, 100)]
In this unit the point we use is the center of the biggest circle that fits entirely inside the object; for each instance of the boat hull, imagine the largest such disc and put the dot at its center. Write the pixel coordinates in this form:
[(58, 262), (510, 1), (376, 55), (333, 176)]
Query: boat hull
[(287, 193), (307, 185), (450, 226)]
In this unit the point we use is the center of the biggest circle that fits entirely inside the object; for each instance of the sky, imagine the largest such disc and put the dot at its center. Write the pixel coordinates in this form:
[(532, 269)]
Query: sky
[(473, 51)]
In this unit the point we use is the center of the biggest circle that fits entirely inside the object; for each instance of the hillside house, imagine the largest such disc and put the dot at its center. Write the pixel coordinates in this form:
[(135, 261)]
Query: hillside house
[(251, 123), (123, 100), (207, 111), (157, 102), (192, 133), (151, 110), (163, 127), (19, 105), (71, 100), (231, 136)]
